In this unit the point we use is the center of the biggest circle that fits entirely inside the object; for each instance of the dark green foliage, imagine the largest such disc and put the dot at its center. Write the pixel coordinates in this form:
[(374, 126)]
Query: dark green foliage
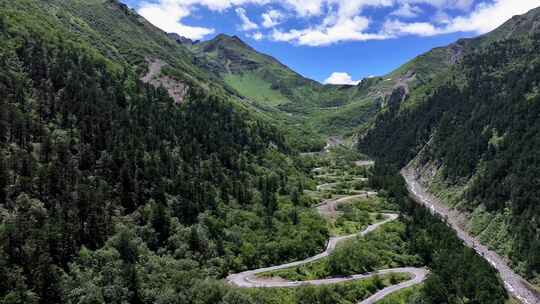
[(387, 247), (342, 293), (113, 193), (458, 272), (483, 120), (384, 249)]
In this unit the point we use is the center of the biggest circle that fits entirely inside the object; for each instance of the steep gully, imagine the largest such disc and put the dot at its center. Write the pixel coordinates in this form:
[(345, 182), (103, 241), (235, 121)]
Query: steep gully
[(249, 279), (515, 284)]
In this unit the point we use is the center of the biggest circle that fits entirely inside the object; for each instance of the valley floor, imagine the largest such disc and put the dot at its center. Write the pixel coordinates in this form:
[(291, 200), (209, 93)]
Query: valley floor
[(328, 208)]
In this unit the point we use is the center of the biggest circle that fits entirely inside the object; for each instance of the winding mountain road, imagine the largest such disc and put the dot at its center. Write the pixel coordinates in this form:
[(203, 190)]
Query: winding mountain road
[(249, 279), (515, 284)]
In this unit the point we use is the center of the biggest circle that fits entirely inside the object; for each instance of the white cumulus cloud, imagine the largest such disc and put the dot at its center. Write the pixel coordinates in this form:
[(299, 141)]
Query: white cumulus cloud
[(338, 78), (333, 29), (484, 18), (407, 10), (325, 22), (168, 16), (394, 28), (488, 16), (247, 25), (256, 36), (272, 18)]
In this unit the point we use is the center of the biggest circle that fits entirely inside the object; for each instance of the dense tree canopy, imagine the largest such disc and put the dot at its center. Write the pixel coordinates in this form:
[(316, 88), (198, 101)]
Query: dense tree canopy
[(481, 126), (111, 192)]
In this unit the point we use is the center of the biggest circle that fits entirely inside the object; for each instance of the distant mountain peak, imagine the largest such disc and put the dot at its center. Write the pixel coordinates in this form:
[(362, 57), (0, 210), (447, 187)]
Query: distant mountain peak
[(182, 39), (224, 39)]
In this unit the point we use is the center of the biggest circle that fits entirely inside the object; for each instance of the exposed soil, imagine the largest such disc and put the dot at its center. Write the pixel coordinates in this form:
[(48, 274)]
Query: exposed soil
[(176, 89)]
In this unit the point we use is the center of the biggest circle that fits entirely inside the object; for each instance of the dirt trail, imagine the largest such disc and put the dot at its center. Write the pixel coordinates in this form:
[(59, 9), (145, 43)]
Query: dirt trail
[(515, 284), (328, 208)]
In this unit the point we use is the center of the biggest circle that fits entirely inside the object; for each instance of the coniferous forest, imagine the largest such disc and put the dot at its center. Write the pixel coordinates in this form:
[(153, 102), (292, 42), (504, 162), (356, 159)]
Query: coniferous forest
[(481, 129), (113, 191)]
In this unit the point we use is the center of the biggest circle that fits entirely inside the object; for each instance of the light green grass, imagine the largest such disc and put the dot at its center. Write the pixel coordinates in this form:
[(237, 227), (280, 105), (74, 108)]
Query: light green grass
[(254, 87)]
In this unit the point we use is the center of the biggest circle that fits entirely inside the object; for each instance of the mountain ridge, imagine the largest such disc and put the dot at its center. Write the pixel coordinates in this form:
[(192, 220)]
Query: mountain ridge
[(472, 136), (114, 191)]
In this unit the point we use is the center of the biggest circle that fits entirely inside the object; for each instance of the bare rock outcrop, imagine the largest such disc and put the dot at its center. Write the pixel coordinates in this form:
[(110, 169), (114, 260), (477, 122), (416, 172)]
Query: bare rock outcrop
[(176, 89)]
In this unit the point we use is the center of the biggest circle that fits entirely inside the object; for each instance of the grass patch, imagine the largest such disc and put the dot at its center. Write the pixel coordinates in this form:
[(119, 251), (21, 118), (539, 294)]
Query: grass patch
[(254, 87), (355, 216)]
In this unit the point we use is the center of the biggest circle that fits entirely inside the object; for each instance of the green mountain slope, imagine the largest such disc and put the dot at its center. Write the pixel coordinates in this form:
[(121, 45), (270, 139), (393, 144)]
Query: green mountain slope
[(112, 192), (263, 78), (294, 99), (121, 35), (133, 171), (473, 133)]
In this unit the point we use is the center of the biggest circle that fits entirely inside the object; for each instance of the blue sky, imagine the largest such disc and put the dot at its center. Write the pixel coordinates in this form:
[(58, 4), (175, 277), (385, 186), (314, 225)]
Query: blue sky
[(334, 41)]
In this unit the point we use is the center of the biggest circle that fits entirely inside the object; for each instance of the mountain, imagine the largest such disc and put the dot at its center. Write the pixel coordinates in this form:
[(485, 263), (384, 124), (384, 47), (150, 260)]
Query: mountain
[(167, 60), (127, 173), (120, 34), (260, 77), (327, 109), (472, 135), (229, 67), (138, 166)]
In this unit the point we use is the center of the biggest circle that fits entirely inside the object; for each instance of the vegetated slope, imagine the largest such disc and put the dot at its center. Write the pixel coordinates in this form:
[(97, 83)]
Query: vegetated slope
[(293, 99), (268, 86), (458, 273), (110, 192), (262, 78), (122, 35), (474, 134)]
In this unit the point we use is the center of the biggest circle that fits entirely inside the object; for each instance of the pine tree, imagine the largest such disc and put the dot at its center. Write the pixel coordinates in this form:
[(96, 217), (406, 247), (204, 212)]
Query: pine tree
[(3, 122), (160, 222), (4, 180)]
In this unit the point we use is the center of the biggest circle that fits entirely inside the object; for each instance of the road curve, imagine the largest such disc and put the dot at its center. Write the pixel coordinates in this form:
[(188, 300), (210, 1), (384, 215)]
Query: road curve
[(328, 208), (248, 279), (514, 284)]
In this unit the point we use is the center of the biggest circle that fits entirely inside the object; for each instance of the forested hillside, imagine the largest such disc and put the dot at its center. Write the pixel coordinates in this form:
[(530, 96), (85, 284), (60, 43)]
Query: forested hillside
[(474, 134), (110, 192), (458, 273), (115, 190)]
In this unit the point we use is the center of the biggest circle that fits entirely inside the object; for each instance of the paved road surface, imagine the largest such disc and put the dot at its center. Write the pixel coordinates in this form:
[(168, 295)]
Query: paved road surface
[(248, 279), (364, 163), (515, 284)]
